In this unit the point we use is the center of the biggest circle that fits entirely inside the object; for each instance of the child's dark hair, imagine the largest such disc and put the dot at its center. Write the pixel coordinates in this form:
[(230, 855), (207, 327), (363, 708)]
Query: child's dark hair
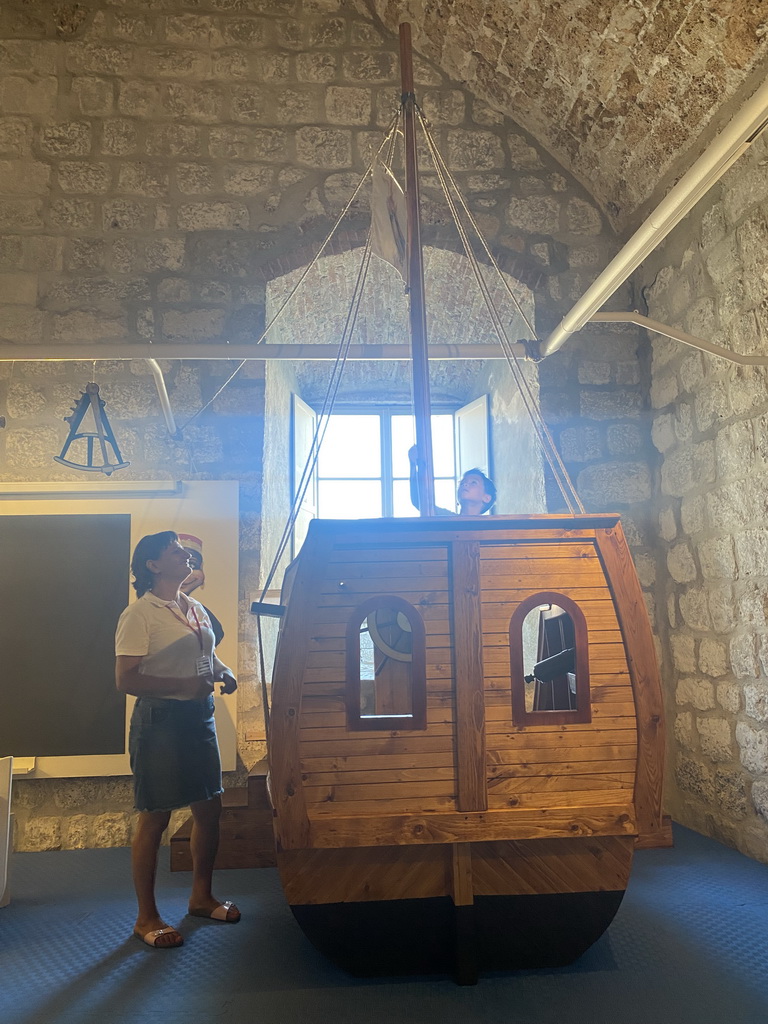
[(488, 484), (149, 549)]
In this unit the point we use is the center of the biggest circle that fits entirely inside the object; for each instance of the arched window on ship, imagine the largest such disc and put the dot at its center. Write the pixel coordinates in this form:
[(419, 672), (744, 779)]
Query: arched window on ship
[(386, 668), (549, 662)]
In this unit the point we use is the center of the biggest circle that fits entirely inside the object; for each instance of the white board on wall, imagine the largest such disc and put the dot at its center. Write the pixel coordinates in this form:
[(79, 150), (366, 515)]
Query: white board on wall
[(209, 510)]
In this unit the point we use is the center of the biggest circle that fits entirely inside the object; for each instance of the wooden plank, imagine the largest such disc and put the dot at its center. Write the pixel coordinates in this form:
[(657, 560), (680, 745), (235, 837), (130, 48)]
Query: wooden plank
[(291, 821), (470, 704), (523, 550), (462, 890), (378, 762), (327, 831), (379, 795), (552, 866), (496, 713), (498, 787), (558, 769), (349, 554), (544, 756), (369, 744), (371, 586), (359, 875), (383, 567), (383, 776), (641, 658), (363, 809)]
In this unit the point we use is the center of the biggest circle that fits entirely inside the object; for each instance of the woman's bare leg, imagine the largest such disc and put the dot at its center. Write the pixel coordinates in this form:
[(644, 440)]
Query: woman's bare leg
[(204, 845), (144, 850)]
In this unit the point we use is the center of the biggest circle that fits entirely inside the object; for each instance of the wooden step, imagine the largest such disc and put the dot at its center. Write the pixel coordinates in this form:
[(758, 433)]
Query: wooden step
[(247, 840)]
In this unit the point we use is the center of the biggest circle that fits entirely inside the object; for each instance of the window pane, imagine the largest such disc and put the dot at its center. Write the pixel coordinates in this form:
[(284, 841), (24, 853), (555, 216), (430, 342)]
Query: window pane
[(351, 447), (404, 435), (349, 499), (401, 493), (442, 445), (445, 494), (386, 657), (549, 660)]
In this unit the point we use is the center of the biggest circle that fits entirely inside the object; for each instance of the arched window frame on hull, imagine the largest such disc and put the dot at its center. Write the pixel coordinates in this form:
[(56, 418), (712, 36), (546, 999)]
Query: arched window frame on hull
[(583, 711), (417, 719)]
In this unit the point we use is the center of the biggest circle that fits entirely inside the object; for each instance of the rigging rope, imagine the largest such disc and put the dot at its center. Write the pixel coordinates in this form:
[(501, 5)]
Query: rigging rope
[(548, 446)]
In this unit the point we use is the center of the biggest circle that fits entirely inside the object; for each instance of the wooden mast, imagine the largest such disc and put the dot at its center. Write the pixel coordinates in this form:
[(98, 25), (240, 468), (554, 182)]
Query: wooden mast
[(415, 268)]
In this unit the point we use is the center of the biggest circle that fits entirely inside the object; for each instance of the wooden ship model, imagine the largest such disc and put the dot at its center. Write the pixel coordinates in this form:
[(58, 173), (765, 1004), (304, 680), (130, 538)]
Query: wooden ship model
[(466, 734)]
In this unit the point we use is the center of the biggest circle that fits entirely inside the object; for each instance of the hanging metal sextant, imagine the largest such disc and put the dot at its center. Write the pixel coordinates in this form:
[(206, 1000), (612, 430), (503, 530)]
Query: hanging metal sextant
[(90, 401)]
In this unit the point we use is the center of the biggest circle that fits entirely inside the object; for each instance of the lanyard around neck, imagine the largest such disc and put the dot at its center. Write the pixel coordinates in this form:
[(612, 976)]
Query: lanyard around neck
[(197, 629)]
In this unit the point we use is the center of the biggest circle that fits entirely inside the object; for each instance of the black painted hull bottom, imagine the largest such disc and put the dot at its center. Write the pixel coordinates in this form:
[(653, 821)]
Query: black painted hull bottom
[(432, 936)]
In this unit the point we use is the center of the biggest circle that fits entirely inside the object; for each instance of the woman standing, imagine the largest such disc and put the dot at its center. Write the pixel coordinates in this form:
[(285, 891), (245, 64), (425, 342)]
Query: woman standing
[(167, 660)]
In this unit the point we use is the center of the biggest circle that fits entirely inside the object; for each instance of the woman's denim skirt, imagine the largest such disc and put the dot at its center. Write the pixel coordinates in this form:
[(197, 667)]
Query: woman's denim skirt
[(174, 753)]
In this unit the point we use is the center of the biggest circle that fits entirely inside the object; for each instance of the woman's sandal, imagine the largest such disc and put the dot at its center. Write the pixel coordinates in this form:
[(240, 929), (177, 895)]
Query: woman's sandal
[(151, 938), (226, 912)]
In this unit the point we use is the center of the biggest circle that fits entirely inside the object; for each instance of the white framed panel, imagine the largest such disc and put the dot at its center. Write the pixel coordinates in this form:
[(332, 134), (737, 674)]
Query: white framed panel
[(208, 509)]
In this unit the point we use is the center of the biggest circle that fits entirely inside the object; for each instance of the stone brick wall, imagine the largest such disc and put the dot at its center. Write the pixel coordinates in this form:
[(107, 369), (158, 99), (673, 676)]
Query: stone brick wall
[(160, 163), (710, 419)]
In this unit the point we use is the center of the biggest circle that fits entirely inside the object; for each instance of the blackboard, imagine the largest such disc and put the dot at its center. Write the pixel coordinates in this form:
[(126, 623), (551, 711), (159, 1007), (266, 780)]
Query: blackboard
[(64, 580)]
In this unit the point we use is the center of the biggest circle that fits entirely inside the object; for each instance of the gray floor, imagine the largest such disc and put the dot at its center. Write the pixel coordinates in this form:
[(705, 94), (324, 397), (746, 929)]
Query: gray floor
[(688, 946)]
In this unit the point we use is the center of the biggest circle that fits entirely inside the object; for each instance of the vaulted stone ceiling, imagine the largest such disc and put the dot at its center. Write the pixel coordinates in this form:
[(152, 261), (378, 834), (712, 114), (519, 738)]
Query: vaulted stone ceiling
[(624, 94)]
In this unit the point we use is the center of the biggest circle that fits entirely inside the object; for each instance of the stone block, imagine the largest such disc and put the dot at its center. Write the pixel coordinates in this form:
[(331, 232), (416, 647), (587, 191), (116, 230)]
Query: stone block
[(538, 215), (713, 658), (165, 254), (760, 797), (678, 472), (751, 547), (21, 324), (625, 439), (143, 179), (30, 450), (76, 832), (81, 176), (681, 565), (346, 105), (683, 648), (696, 691), (112, 829), (361, 66), (581, 444), (743, 655), (617, 403), (18, 289), (695, 778), (85, 57), (41, 833), (175, 140), (582, 218), (664, 390), (716, 559), (715, 738), (139, 98), (667, 524), (195, 325), (753, 744), (729, 697), (730, 791), (756, 701), (15, 136), (85, 254), (247, 180), (80, 326), (93, 96), (24, 177), (735, 449), (316, 67), (193, 30), (119, 137), (193, 102), (127, 215), (212, 217), (173, 63), (72, 138), (20, 96), (324, 147), (248, 32), (747, 389), (590, 372), (663, 431), (721, 608), (694, 608), (24, 399), (685, 731), (243, 143)]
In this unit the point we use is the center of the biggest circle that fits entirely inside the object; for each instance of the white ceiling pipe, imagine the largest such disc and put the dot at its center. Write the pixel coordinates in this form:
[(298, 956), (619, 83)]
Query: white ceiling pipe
[(165, 402), (301, 353), (677, 335), (734, 140)]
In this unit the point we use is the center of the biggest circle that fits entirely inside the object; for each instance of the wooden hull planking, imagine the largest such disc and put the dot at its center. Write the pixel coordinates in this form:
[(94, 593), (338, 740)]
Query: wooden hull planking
[(480, 803)]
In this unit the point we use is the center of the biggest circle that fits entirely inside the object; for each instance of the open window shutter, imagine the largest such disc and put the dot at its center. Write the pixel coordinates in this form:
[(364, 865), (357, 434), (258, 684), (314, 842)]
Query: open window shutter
[(472, 432), (304, 425)]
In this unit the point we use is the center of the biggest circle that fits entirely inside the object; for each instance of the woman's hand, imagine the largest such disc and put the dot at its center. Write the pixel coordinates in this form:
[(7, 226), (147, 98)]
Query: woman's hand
[(228, 682)]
